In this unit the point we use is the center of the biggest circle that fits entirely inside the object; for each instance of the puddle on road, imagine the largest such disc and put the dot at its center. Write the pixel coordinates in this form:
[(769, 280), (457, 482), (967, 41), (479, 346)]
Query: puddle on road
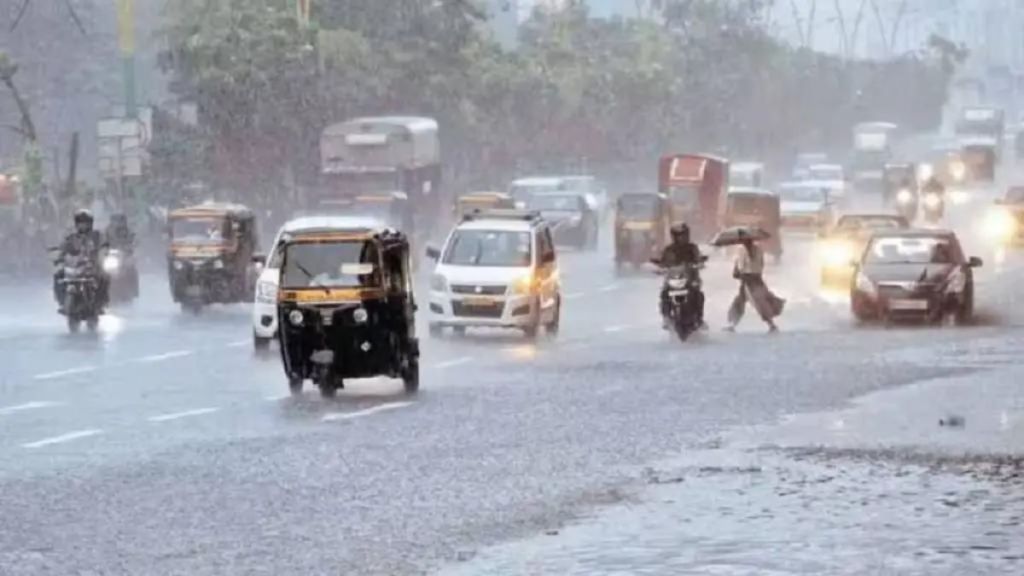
[(731, 512)]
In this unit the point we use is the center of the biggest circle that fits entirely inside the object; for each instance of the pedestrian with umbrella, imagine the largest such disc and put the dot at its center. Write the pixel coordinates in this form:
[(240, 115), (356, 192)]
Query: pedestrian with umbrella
[(749, 270)]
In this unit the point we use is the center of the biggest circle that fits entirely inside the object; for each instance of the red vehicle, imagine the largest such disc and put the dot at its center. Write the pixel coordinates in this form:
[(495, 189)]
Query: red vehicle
[(696, 186)]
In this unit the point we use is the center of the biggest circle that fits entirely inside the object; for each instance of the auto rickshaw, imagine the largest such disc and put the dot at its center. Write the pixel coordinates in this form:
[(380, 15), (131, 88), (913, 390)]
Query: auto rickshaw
[(642, 222), (345, 307), (211, 258), (756, 207), (481, 201), (901, 188)]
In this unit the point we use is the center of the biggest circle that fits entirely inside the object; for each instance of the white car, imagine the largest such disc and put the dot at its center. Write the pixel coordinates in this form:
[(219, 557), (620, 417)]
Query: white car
[(264, 310), (496, 271)]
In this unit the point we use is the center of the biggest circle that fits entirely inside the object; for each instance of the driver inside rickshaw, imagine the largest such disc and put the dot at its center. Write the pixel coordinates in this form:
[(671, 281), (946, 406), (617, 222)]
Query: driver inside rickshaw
[(331, 265)]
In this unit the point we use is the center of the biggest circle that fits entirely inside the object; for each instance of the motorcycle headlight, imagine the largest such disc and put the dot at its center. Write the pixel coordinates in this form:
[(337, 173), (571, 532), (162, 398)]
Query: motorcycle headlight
[(523, 285), (360, 315), (218, 264), (836, 254), (676, 283), (932, 201), (864, 284), (266, 292), (904, 196), (111, 264), (438, 283), (179, 265), (296, 317), (1000, 224)]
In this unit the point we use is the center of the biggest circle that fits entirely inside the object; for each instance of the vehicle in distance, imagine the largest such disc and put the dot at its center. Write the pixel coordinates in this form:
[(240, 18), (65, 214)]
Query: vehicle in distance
[(843, 243)]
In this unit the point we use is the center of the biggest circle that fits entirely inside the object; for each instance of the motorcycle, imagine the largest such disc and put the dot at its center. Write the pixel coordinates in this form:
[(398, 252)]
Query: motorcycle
[(119, 265), (934, 207), (683, 287), (81, 287)]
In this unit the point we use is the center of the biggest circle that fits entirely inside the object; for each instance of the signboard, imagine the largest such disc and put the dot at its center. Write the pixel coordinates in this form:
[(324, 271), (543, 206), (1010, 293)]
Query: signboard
[(686, 169), (121, 147)]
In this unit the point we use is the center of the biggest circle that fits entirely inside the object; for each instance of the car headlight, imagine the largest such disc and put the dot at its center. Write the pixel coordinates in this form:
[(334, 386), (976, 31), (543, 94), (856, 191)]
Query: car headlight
[(836, 254), (904, 196), (296, 317), (932, 200), (438, 283), (218, 264), (111, 264), (864, 284), (958, 170), (266, 292), (924, 172), (523, 285), (360, 315), (1000, 224)]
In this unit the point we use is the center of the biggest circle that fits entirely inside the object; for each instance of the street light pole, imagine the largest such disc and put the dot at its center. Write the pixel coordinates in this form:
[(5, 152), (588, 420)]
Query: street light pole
[(126, 44)]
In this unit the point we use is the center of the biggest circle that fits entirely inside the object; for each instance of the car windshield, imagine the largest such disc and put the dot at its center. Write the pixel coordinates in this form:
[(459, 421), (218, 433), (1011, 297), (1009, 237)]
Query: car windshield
[(911, 250), (522, 191), (198, 230), (496, 248), (850, 223), (330, 264), (554, 202)]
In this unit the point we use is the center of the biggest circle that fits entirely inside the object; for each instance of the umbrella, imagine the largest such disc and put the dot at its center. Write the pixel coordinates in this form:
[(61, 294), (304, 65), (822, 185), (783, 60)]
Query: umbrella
[(739, 235)]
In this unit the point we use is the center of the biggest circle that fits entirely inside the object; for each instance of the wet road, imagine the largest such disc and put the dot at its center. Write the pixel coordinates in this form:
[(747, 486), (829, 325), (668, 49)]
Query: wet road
[(164, 445)]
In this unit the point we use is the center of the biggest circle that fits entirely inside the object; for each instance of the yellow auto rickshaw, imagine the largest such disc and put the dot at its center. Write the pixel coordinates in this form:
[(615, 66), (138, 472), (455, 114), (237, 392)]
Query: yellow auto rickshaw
[(211, 256), (481, 202), (642, 222), (345, 307), (756, 207)]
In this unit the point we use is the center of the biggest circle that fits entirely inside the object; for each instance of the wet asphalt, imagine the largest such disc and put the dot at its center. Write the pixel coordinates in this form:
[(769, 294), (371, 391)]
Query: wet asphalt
[(165, 445)]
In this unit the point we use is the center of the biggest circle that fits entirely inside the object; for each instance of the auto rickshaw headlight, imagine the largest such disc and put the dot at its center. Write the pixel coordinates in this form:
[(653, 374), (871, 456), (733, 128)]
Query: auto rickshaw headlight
[(360, 315), (932, 201), (218, 264), (905, 196), (296, 317), (179, 265)]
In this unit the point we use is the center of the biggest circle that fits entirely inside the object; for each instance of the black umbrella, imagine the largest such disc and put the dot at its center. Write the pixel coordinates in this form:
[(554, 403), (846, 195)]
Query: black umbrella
[(739, 235)]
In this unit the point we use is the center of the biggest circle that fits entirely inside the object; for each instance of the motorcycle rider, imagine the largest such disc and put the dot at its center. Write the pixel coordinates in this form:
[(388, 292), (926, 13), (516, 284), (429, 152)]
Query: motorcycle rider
[(679, 252), (118, 234), (83, 241)]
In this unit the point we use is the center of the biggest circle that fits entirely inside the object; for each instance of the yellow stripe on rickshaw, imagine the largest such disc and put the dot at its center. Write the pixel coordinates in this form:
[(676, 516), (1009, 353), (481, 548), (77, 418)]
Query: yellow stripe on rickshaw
[(330, 237), (638, 226), (314, 295)]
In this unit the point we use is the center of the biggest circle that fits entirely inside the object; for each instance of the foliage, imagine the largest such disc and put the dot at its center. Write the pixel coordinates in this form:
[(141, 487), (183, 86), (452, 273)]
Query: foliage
[(703, 76)]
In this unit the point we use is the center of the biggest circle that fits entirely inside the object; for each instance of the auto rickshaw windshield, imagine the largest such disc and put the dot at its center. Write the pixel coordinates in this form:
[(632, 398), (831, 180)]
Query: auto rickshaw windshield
[(348, 264), (199, 230)]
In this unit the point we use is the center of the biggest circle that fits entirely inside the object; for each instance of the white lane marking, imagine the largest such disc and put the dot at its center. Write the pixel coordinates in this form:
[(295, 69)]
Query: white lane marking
[(277, 397), (610, 287), (614, 329), (62, 438), (165, 356), (27, 406), (453, 363), (334, 417), (63, 373), (573, 296), (185, 414), (239, 343)]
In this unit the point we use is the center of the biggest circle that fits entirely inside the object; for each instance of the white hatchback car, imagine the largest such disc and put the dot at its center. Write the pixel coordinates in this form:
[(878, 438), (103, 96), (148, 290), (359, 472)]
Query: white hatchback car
[(264, 310), (496, 270)]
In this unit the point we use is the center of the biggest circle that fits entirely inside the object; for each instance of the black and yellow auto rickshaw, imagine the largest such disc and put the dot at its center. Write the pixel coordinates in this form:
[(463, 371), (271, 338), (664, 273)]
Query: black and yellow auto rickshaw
[(481, 202), (756, 207), (211, 258), (642, 222), (345, 307)]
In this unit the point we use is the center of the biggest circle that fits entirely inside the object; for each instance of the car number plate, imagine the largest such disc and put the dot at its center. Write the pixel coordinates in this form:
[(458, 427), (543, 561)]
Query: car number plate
[(908, 304), (478, 301)]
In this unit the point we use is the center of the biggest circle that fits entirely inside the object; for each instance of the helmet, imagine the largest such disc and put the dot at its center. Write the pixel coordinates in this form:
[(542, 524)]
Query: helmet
[(679, 230), (83, 217)]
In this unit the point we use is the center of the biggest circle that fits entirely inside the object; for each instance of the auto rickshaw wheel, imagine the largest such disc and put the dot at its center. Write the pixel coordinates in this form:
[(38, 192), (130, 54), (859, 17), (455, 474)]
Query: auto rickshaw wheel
[(92, 323), (73, 324), (328, 388), (411, 377), (295, 385)]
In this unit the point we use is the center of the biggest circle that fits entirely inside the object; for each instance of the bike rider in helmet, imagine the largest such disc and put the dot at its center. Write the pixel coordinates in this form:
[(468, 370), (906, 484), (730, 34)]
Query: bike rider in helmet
[(83, 241), (118, 234), (680, 251)]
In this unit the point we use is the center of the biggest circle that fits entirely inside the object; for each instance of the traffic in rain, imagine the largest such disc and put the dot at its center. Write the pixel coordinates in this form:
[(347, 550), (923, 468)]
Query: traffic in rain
[(503, 287)]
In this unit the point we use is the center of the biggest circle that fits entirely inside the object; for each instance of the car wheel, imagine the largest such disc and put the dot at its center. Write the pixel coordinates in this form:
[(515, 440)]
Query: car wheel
[(553, 326), (260, 343)]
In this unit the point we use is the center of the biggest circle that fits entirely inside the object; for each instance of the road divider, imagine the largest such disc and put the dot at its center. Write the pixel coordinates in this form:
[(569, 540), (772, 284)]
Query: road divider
[(341, 416), (180, 415), (70, 436)]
